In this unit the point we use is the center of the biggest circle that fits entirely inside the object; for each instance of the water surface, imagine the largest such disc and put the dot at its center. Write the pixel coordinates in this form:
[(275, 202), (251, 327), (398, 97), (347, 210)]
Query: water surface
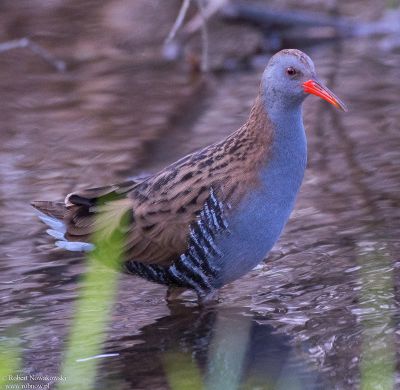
[(326, 295)]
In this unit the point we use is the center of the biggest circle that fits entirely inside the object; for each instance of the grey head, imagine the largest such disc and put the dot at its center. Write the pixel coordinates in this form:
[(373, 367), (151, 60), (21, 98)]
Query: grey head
[(287, 80)]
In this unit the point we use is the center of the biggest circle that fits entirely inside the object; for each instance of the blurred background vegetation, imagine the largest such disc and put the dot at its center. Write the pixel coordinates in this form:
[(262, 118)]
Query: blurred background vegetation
[(94, 92)]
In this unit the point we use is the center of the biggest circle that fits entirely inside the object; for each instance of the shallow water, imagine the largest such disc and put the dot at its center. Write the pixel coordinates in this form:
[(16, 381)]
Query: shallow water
[(310, 317)]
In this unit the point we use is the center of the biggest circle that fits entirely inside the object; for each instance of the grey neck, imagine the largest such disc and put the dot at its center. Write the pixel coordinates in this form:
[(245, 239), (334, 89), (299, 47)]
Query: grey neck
[(289, 148), (287, 119)]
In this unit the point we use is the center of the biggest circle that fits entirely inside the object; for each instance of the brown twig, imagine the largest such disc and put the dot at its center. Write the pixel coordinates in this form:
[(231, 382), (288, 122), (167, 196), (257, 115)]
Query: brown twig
[(178, 21), (59, 65), (172, 45), (210, 9), (204, 37)]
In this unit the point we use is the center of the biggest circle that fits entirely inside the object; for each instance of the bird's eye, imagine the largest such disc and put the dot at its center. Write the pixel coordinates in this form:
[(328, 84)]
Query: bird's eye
[(291, 71)]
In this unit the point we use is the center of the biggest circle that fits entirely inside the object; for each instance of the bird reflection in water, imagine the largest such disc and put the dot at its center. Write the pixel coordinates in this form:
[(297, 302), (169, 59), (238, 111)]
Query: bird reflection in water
[(212, 348)]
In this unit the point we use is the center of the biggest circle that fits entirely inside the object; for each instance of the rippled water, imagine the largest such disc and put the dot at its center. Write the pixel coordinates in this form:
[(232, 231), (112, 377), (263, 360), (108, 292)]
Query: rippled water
[(326, 299)]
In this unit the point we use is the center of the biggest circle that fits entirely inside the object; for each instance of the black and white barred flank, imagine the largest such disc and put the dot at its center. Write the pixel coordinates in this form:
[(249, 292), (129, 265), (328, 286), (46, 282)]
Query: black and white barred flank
[(197, 267)]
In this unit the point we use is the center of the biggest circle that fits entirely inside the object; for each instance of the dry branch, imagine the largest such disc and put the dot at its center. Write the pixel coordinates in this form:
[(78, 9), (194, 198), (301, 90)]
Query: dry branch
[(59, 65), (173, 43)]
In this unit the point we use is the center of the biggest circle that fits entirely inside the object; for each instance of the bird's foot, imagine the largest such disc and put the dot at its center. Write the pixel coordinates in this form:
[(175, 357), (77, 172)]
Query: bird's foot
[(208, 299), (173, 293), (204, 299)]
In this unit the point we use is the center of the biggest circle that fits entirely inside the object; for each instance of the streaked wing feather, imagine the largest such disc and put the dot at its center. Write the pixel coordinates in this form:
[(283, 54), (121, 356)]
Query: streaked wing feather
[(90, 196)]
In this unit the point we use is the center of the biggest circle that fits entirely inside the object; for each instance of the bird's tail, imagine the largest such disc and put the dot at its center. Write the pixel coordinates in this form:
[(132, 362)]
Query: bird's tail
[(53, 215), (56, 210), (82, 214)]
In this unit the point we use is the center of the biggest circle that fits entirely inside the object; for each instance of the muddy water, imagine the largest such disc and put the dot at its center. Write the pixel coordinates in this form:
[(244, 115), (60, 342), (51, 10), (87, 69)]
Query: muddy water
[(326, 299)]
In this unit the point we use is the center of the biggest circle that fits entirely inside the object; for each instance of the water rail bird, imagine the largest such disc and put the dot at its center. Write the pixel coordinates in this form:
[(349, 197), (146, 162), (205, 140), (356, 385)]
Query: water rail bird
[(212, 216)]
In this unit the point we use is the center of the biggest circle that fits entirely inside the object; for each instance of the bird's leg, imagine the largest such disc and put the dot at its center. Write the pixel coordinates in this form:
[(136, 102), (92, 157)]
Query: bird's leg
[(209, 298), (173, 293)]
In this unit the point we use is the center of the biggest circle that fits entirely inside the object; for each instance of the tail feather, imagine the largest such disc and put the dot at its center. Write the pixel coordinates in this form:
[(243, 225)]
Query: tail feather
[(75, 246), (51, 209), (53, 214), (72, 222)]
